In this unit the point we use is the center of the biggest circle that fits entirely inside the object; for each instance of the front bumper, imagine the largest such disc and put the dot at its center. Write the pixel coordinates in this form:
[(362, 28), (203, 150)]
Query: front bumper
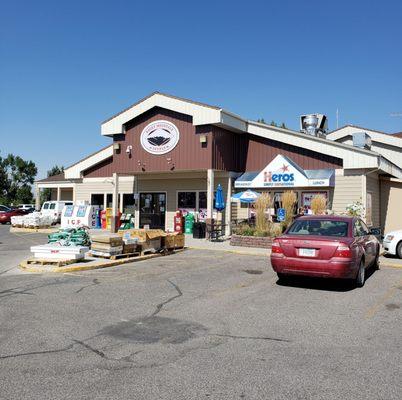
[(334, 268), (389, 247)]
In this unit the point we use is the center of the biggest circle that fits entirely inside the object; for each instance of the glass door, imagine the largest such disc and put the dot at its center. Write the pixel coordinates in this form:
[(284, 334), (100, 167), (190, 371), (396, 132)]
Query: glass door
[(153, 210)]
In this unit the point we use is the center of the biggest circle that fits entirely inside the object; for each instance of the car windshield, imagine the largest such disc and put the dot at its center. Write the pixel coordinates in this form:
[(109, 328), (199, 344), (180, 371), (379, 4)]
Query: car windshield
[(319, 228), (45, 206)]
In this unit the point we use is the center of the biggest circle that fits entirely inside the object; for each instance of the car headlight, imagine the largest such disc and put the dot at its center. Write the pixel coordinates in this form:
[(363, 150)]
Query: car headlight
[(389, 238)]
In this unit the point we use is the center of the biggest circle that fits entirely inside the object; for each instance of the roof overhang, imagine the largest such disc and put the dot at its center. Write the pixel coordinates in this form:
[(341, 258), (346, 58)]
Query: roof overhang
[(75, 171), (202, 114), (376, 136)]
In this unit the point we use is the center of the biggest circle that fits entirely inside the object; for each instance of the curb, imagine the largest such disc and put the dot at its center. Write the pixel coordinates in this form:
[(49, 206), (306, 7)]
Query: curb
[(390, 265), (249, 253), (93, 265)]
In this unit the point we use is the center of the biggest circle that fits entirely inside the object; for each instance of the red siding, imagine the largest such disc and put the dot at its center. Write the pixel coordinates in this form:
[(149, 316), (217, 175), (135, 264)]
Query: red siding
[(261, 151), (189, 153), (224, 150), (104, 168)]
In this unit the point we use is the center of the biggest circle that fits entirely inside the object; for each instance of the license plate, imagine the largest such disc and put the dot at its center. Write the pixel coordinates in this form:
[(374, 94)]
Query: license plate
[(307, 252)]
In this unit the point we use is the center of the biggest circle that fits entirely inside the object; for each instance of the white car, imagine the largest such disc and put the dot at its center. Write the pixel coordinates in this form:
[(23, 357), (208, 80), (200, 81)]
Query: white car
[(26, 206), (392, 243)]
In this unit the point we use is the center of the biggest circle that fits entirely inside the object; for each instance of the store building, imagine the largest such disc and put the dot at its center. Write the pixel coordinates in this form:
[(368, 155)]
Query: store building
[(388, 186), (170, 153)]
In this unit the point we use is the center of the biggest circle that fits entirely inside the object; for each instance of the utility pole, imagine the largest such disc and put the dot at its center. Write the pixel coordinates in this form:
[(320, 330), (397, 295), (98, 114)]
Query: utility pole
[(337, 118)]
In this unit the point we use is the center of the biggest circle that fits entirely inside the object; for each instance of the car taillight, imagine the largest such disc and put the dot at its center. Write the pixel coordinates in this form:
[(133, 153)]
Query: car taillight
[(276, 247), (343, 250)]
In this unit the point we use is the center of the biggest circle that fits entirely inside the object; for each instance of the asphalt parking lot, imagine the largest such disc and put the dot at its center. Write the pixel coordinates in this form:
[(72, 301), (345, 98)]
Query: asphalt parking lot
[(195, 325)]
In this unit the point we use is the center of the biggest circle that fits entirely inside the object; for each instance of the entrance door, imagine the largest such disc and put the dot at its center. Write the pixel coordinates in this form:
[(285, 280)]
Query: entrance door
[(153, 210)]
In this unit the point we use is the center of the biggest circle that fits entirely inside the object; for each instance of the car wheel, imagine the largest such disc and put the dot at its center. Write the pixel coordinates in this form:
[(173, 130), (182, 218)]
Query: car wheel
[(361, 275), (399, 250)]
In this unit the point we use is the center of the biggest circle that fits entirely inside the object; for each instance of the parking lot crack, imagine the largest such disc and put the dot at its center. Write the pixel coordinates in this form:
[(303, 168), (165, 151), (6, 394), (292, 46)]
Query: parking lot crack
[(94, 283), (161, 305), (33, 353), (252, 337)]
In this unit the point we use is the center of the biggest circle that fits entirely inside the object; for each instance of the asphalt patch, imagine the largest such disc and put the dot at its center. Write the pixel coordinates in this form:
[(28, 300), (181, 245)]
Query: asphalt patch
[(155, 329), (392, 307), (253, 271)]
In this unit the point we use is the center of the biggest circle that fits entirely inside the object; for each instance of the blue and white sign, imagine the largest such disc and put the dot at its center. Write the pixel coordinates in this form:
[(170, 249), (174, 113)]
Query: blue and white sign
[(282, 172), (281, 214)]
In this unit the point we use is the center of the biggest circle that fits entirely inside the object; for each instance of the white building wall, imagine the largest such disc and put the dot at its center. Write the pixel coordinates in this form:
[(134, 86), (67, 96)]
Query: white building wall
[(348, 189)]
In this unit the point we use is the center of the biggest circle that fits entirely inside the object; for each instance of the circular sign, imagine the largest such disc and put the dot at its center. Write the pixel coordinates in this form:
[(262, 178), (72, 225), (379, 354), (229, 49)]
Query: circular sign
[(159, 137)]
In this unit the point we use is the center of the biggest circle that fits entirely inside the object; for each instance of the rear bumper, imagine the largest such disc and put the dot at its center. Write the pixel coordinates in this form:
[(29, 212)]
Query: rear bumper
[(335, 268)]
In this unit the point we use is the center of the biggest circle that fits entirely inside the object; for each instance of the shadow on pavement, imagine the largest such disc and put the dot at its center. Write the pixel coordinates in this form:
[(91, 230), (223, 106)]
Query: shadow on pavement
[(326, 284)]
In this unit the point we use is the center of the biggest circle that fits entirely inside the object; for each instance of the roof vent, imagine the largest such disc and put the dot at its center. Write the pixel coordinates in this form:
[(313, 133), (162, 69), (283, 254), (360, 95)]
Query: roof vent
[(362, 140), (314, 124)]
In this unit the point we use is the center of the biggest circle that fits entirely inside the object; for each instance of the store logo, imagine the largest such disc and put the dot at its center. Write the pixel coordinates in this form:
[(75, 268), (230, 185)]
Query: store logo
[(159, 137), (281, 176)]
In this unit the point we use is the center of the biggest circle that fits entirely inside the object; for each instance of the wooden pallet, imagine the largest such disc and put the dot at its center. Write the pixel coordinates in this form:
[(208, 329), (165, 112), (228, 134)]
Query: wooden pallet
[(117, 256), (48, 261)]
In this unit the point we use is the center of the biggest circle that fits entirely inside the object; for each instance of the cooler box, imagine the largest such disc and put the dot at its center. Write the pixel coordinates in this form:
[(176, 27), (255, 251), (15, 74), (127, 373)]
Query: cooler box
[(56, 252)]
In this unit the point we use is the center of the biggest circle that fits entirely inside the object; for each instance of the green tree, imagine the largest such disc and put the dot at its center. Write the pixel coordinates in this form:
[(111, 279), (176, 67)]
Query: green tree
[(16, 178), (46, 193), (261, 120), (273, 123), (283, 125)]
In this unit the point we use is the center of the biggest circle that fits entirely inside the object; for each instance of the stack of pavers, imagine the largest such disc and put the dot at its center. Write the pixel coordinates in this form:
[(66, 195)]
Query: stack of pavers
[(106, 245)]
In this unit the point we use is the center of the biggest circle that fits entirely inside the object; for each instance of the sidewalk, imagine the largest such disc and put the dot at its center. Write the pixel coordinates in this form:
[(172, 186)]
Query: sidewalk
[(224, 245)]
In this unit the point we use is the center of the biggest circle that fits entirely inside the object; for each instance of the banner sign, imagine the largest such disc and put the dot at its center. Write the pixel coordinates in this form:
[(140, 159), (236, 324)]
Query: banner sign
[(281, 172)]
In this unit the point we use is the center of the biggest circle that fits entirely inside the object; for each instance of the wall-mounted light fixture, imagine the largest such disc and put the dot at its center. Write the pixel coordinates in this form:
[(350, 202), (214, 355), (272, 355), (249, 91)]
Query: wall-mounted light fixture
[(129, 150), (116, 147), (203, 139)]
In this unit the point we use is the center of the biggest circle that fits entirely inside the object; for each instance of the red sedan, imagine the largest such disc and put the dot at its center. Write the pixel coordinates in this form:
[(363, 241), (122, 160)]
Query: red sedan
[(5, 216), (326, 246)]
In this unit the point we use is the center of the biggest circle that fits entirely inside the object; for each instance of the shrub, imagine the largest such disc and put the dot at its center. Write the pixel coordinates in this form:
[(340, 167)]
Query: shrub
[(318, 204), (263, 202), (289, 199)]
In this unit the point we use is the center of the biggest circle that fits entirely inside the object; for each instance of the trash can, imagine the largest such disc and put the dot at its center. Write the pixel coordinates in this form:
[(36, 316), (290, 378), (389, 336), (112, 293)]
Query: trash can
[(199, 230), (189, 223)]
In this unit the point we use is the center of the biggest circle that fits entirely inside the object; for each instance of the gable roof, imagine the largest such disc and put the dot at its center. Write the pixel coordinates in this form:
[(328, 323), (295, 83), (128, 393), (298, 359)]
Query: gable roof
[(53, 178), (378, 136)]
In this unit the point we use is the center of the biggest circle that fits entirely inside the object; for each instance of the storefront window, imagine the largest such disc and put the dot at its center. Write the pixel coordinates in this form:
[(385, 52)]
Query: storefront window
[(202, 200), (109, 200), (97, 199), (186, 199), (308, 196), (128, 203)]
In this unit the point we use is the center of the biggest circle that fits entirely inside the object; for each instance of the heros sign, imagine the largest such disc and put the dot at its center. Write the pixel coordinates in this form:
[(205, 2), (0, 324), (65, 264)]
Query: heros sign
[(282, 172), (159, 137)]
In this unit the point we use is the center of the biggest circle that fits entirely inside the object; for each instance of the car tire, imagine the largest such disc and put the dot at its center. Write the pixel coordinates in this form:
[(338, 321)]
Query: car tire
[(361, 275), (399, 250), (376, 263), (282, 277)]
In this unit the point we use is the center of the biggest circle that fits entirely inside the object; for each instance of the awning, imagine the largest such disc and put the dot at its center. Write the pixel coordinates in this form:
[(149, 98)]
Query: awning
[(282, 172)]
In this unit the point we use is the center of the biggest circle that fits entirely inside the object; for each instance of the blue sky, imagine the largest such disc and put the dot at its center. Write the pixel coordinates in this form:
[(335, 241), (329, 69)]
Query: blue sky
[(67, 66)]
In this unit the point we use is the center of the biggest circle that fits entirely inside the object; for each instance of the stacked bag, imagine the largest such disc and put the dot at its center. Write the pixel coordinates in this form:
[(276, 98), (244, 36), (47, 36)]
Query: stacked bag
[(32, 220), (70, 237)]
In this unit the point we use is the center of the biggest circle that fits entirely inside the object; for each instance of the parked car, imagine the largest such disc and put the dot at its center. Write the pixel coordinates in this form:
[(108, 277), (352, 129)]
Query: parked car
[(5, 216), (326, 246), (54, 209), (29, 207), (4, 208), (392, 243)]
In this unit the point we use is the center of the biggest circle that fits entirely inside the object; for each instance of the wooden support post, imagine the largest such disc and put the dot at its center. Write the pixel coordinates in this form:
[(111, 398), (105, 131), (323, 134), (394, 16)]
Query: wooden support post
[(228, 210), (115, 203), (210, 193), (37, 198)]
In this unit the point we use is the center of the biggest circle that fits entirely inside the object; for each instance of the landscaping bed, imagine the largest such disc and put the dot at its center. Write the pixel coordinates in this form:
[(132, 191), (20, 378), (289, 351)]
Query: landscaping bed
[(251, 241)]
